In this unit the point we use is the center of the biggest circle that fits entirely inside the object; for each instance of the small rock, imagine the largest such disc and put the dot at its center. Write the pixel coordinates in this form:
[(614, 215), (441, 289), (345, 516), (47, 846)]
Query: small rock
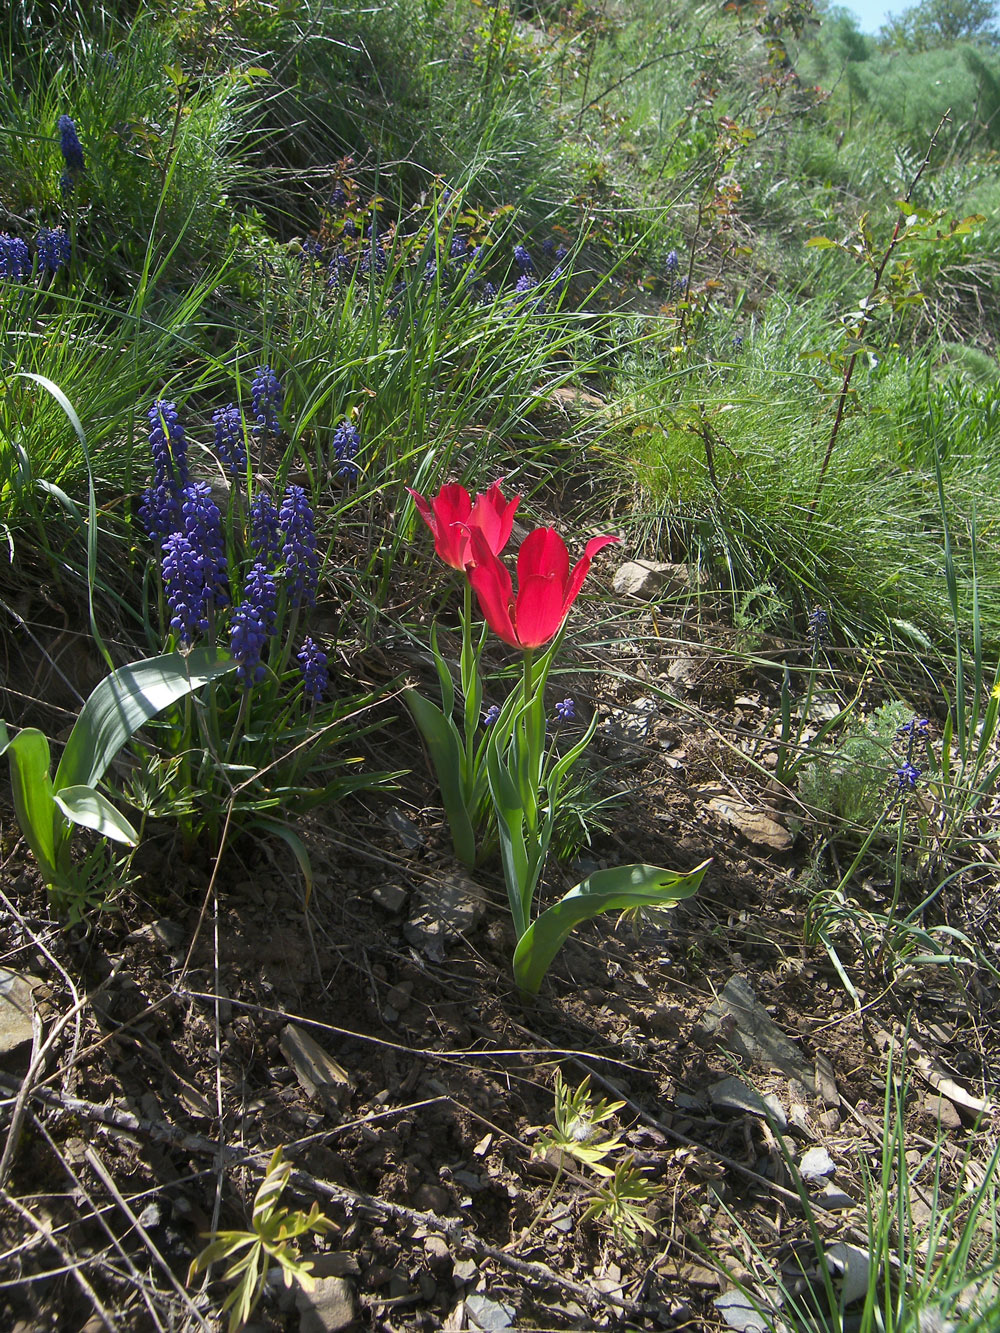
[(850, 1267), (830, 1120), (645, 578), (816, 1163), (399, 997), (732, 1094), (738, 1021), (832, 1197), (438, 1255), (826, 1083), (941, 1111), (317, 1072), (432, 1199), (328, 1307), (488, 1314), (757, 826), (16, 1010), (163, 934), (741, 1313), (465, 1270), (446, 907), (390, 897)]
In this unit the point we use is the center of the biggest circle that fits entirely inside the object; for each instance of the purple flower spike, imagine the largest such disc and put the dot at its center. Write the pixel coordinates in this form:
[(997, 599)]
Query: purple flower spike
[(54, 248), (184, 586), (267, 398), (265, 535), (315, 677), (167, 444), (203, 529), (230, 440), (15, 261), (565, 710), (252, 624), (69, 145), (299, 547), (346, 443)]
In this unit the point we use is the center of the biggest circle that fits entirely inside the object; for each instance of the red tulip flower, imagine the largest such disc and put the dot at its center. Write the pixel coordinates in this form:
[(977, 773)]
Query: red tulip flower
[(546, 586), (452, 517)]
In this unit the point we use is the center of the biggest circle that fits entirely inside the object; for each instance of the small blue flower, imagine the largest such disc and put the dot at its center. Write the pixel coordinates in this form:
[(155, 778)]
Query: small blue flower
[(203, 529), (906, 776), (160, 510), (491, 715), (672, 261), (253, 623), (15, 261), (267, 398), (167, 444), (522, 257), (346, 443), (184, 587), (737, 342), (489, 294), (315, 677), (338, 198), (915, 726), (459, 248), (340, 270), (54, 248), (299, 546), (561, 253), (69, 145), (230, 438), (311, 252), (565, 710), (265, 535), (819, 626)]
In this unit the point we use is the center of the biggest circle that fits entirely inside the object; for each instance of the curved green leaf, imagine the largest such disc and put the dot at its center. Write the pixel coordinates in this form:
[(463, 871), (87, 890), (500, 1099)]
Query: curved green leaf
[(88, 808), (616, 889), (34, 806), (445, 747), (126, 699)]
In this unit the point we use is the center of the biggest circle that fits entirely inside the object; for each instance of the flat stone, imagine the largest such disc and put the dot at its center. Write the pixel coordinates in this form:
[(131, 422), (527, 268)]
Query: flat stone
[(390, 897), (739, 1022), (757, 826), (16, 1010), (816, 1163), (446, 907), (941, 1111), (328, 1307), (317, 1071), (645, 578), (732, 1094), (488, 1314)]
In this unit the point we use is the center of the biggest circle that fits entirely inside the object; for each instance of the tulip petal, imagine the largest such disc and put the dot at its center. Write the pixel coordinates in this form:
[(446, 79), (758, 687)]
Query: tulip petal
[(539, 610), (543, 554), (494, 516), (581, 569), (491, 583)]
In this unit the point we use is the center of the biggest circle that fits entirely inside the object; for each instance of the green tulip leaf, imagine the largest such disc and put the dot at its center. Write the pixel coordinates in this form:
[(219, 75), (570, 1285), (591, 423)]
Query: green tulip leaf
[(448, 757), (616, 889), (84, 806), (124, 701), (28, 754)]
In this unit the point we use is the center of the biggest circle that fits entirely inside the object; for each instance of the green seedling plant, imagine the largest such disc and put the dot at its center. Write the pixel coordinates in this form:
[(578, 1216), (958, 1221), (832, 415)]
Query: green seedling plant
[(276, 1229), (525, 772), (49, 807), (622, 1191)]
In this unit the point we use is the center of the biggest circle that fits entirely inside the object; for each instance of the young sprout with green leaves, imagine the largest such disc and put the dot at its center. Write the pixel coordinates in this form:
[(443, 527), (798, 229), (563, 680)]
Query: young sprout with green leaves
[(273, 1240)]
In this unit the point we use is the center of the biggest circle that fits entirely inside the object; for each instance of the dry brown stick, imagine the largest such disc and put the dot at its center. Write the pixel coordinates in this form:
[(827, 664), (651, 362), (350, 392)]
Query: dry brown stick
[(452, 1228)]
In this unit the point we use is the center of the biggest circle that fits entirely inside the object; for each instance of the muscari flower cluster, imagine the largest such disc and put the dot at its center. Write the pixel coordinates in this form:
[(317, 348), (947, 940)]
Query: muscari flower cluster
[(184, 521), (819, 627), (230, 438), (72, 153), (267, 397), (346, 443), (565, 710), (54, 248), (15, 261)]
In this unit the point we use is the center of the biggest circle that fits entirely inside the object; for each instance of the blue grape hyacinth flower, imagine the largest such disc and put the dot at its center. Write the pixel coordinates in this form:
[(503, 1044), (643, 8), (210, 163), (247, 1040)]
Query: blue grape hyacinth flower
[(346, 443), (70, 146), (160, 510), (253, 623), (267, 397), (54, 248), (299, 547), (523, 259), (203, 529), (265, 531), (313, 664), (184, 586), (230, 438), (491, 715), (566, 710), (906, 776), (15, 261)]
